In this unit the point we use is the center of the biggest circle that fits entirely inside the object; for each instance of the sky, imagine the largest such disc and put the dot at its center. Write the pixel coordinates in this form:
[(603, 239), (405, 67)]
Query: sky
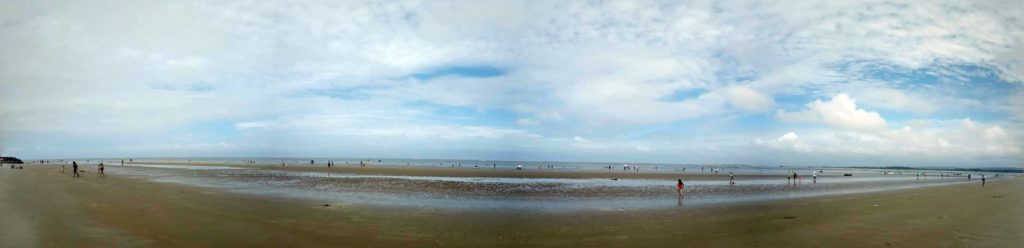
[(811, 83)]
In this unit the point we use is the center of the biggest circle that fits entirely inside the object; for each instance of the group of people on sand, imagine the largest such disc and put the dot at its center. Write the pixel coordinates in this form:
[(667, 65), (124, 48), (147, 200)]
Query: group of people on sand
[(792, 176), (74, 169)]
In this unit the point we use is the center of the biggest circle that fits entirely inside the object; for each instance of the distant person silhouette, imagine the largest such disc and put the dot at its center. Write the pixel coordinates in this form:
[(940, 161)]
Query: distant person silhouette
[(74, 168)]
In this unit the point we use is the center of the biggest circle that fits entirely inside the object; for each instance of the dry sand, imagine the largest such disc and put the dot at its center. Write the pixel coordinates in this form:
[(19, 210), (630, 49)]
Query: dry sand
[(41, 207)]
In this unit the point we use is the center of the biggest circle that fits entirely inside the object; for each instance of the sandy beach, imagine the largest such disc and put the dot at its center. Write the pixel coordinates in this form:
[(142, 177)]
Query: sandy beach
[(42, 207)]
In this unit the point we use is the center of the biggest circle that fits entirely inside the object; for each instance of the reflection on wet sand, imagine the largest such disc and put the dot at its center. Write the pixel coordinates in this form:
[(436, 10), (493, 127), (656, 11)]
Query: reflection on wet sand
[(511, 192)]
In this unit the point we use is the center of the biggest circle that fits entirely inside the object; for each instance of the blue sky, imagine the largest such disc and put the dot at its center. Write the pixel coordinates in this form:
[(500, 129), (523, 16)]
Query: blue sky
[(794, 83)]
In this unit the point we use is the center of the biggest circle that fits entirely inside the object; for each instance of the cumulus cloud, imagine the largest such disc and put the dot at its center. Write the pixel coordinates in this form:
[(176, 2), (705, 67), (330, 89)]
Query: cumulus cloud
[(840, 112), (788, 141)]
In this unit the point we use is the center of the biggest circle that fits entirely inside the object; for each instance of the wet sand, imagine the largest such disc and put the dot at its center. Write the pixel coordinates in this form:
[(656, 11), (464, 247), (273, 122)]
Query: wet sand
[(527, 172), (40, 206)]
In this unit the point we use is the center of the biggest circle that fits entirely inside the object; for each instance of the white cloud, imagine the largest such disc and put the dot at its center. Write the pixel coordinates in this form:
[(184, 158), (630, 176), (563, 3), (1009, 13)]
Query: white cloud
[(893, 99), (380, 126), (840, 112), (578, 141), (253, 125), (946, 142), (789, 141), (748, 99), (527, 122)]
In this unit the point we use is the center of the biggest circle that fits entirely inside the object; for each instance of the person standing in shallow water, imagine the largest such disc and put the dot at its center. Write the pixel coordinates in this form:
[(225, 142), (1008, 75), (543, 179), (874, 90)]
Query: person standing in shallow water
[(679, 186)]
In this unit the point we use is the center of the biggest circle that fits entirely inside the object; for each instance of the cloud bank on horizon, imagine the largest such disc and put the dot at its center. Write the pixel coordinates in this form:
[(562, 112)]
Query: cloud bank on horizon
[(799, 83)]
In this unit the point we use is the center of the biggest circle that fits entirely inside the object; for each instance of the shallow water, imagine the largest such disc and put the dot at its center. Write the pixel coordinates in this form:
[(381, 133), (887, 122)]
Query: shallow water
[(542, 194)]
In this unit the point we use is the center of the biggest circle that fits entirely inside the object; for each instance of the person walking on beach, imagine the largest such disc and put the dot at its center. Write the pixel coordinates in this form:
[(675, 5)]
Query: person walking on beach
[(74, 168), (101, 170), (982, 180), (679, 186)]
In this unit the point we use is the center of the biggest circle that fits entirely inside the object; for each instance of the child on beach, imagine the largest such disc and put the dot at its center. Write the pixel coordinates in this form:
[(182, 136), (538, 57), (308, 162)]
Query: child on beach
[(679, 186), (74, 168), (101, 171)]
